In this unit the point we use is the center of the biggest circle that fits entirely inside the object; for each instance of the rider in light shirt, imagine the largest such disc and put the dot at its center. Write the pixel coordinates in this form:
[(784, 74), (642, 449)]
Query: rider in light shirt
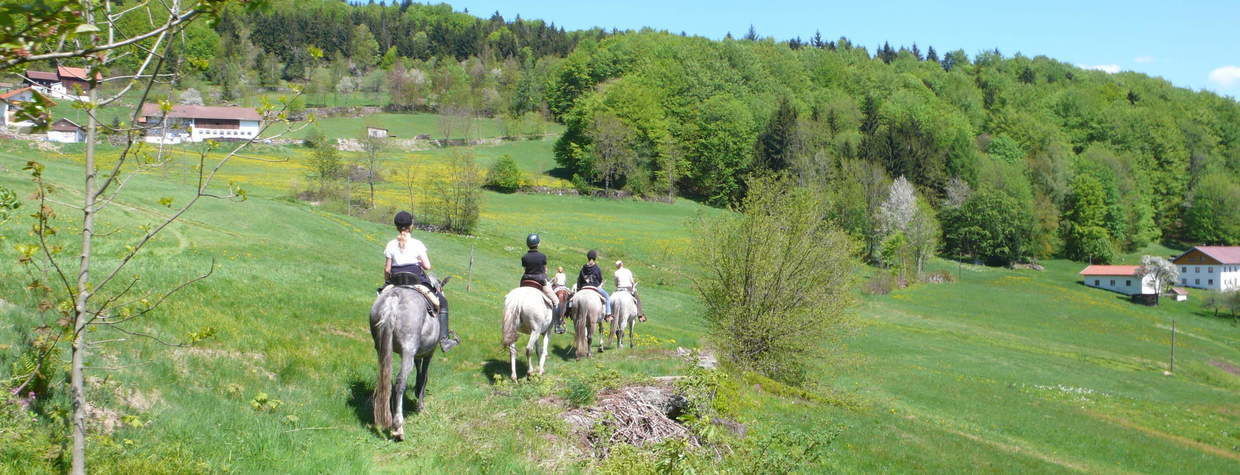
[(625, 281), (407, 255)]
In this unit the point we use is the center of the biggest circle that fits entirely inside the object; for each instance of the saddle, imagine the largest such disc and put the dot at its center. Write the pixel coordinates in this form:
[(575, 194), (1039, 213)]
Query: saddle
[(413, 281), (534, 284), (596, 292)]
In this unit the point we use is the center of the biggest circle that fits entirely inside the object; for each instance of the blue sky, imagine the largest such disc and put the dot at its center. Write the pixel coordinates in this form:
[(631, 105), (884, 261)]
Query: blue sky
[(1192, 43)]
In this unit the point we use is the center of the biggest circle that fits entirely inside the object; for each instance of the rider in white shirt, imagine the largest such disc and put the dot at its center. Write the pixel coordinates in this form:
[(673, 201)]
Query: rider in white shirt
[(407, 255), (625, 281)]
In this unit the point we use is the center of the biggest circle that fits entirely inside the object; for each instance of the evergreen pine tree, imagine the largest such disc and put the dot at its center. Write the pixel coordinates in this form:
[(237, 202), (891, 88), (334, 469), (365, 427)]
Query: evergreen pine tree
[(932, 55), (777, 145)]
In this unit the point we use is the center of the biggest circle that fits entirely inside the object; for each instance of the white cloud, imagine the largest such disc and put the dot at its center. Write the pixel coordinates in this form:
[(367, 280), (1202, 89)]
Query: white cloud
[(1144, 59), (1226, 77), (1107, 68)]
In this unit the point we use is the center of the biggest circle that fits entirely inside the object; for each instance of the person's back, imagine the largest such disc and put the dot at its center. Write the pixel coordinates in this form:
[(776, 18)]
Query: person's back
[(624, 279), (590, 276), (535, 264)]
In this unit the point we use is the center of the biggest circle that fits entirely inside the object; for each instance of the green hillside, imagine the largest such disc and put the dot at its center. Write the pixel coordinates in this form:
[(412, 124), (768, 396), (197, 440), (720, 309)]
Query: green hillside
[(1001, 370)]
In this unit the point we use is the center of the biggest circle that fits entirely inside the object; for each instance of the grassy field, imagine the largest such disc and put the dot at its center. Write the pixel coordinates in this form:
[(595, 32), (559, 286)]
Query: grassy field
[(1000, 371)]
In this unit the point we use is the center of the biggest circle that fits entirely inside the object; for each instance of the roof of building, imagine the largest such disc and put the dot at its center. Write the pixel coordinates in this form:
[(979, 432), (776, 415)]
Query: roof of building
[(65, 125), (375, 128), (202, 112), (42, 75), (74, 73), (1110, 270), (14, 92), (1223, 254)]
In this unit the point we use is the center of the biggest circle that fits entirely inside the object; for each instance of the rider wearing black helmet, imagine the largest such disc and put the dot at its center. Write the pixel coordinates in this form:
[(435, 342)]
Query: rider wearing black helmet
[(407, 263), (535, 264)]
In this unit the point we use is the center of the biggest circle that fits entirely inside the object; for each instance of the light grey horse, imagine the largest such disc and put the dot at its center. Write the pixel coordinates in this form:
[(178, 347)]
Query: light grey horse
[(400, 322), (624, 315), (525, 311), (586, 310)]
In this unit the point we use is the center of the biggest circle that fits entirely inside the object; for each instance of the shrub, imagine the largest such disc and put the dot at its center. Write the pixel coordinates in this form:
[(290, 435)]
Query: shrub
[(504, 176), (778, 279)]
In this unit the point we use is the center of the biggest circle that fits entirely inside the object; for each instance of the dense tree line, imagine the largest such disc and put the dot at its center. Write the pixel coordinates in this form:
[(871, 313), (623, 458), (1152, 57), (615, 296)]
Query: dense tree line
[(1061, 160), (1087, 164)]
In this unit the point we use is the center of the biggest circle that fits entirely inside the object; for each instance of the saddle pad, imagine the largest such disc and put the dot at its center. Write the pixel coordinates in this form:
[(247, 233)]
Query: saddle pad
[(533, 284), (596, 292)]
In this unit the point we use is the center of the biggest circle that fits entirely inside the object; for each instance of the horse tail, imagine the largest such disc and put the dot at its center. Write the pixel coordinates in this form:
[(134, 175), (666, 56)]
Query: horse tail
[(383, 387), (512, 309), (581, 325)]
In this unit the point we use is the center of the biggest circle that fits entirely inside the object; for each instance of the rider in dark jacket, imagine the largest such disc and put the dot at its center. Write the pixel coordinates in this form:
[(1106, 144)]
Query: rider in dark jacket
[(592, 276)]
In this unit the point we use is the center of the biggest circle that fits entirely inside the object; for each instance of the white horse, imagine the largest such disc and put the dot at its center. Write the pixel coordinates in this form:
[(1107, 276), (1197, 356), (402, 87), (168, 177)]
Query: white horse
[(586, 311), (525, 311), (624, 315)]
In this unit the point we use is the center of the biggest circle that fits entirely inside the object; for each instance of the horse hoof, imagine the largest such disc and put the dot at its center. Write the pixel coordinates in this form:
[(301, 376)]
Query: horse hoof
[(399, 436)]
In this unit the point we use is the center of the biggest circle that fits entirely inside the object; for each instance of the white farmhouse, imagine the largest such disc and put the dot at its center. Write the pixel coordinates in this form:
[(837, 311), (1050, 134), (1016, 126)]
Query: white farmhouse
[(377, 132), (10, 102), (1122, 279), (186, 123), (66, 131), (1210, 267)]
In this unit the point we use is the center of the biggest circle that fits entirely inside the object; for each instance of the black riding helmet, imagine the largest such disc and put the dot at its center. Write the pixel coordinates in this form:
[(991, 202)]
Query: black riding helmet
[(532, 240), (592, 255), (403, 220)]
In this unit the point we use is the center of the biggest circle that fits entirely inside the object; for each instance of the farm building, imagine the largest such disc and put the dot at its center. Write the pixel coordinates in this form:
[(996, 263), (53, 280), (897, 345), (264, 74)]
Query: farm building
[(377, 132), (1179, 294), (1210, 267), (64, 83), (10, 102), (1122, 279), (67, 131), (186, 123)]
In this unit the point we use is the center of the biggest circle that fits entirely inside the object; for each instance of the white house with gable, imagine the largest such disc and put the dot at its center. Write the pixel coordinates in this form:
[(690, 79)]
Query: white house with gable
[(1122, 279), (185, 123), (1210, 267), (66, 131)]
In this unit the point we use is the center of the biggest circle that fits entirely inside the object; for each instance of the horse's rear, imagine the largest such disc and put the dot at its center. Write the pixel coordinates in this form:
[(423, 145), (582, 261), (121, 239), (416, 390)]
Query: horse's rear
[(525, 311), (400, 323), (624, 315), (587, 312)]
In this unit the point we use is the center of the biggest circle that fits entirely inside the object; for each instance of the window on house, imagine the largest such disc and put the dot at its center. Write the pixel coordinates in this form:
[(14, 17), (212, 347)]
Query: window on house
[(1210, 282), (1183, 269), (1210, 270), (1197, 270), (1112, 281), (1196, 281), (1184, 281), (1097, 282), (1127, 282)]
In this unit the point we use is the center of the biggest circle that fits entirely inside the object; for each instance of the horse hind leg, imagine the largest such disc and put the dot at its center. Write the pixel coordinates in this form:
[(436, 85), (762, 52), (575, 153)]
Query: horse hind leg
[(419, 389), (542, 355), (398, 396), (512, 358)]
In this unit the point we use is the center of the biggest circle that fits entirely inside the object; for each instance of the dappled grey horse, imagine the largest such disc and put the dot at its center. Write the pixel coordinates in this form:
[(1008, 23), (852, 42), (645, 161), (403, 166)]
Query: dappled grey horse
[(400, 322)]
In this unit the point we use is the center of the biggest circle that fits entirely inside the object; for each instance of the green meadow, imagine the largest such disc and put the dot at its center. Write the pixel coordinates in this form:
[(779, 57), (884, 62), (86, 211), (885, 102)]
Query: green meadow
[(1001, 370)]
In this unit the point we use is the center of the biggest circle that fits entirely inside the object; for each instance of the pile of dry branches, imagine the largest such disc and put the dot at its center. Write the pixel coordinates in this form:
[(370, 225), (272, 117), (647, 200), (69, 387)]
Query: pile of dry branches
[(634, 415)]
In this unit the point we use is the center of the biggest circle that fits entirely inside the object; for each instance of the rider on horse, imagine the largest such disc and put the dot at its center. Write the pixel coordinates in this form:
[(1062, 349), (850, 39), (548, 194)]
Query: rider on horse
[(407, 263), (591, 276), (535, 264), (626, 282)]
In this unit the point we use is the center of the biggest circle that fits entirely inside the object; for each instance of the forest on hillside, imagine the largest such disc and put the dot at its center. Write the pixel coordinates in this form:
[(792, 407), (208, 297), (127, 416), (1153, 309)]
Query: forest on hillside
[(994, 157)]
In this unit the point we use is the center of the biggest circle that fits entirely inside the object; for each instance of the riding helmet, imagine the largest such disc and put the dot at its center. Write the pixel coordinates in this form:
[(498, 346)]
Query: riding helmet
[(592, 255), (532, 240), (403, 219)]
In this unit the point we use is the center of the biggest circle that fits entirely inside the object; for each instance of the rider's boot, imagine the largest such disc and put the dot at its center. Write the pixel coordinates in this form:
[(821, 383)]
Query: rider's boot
[(447, 339)]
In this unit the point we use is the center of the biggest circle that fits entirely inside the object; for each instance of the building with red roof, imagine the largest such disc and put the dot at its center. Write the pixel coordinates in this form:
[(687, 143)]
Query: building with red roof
[(1210, 267), (1123, 279)]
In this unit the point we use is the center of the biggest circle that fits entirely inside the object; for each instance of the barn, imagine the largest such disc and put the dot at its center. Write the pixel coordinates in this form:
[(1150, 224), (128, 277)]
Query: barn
[(1210, 267), (186, 123), (1122, 279), (66, 131)]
